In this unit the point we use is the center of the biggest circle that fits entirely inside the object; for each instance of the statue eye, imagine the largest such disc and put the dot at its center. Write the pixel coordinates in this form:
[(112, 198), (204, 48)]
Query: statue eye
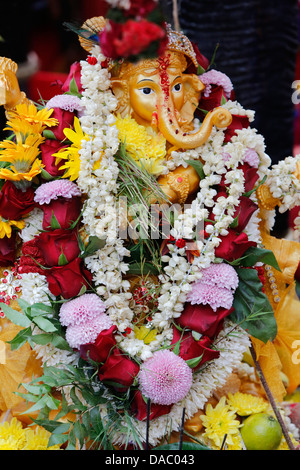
[(177, 87), (147, 91)]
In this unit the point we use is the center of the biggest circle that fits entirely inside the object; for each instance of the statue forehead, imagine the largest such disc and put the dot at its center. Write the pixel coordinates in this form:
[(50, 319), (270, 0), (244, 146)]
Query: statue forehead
[(171, 63)]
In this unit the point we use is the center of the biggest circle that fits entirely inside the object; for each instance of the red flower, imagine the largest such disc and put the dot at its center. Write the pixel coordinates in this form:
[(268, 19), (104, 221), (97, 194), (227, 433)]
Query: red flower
[(65, 120), (101, 348), (233, 245), (92, 60), (203, 319), (207, 103), (201, 59), (31, 258), (65, 210), (238, 122), (48, 148), (244, 211), (15, 203), (130, 38), (250, 175), (140, 8), (192, 349), (119, 370), (54, 243), (75, 72), (139, 408), (7, 250), (68, 280)]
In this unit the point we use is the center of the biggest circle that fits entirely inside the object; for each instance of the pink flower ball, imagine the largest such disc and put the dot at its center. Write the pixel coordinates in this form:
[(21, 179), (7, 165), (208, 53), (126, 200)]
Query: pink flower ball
[(45, 193), (81, 310), (165, 378), (222, 275), (78, 335), (216, 297), (252, 158)]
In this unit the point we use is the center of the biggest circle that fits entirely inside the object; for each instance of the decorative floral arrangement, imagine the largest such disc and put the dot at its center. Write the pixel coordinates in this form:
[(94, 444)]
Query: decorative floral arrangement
[(132, 333)]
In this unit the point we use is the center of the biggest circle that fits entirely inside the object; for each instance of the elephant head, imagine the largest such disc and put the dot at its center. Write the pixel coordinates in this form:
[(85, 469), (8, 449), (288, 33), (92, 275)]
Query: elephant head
[(160, 93)]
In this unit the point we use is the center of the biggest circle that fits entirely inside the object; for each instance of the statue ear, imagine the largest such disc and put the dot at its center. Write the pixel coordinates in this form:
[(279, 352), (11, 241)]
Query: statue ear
[(192, 90), (121, 91)]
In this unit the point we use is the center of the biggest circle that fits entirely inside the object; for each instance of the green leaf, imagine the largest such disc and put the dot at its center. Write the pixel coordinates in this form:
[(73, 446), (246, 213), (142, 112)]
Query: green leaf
[(20, 339), (198, 166), (44, 324), (142, 268), (200, 70), (252, 308), (62, 260), (254, 254), (49, 134), (54, 222), (255, 188), (194, 362), (185, 446), (57, 439), (94, 244), (16, 317), (46, 176)]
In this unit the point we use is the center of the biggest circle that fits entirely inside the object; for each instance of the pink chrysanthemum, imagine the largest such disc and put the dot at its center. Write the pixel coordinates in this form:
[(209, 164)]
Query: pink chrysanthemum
[(66, 102), (55, 189), (80, 310), (78, 335), (214, 77), (165, 378), (251, 157), (222, 275), (216, 297)]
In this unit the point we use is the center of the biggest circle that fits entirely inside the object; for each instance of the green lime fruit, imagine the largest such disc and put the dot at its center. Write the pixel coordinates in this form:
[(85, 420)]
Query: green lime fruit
[(261, 431)]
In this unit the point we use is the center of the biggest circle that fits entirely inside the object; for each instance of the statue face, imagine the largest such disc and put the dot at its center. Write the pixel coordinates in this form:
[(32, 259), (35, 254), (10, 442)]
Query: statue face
[(145, 94), (158, 93)]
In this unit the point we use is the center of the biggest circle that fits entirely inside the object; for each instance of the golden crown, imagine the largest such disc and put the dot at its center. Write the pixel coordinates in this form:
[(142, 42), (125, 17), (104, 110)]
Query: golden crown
[(177, 41)]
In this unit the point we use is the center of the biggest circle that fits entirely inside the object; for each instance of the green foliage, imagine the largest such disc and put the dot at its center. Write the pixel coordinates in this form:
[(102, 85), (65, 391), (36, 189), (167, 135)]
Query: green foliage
[(252, 308)]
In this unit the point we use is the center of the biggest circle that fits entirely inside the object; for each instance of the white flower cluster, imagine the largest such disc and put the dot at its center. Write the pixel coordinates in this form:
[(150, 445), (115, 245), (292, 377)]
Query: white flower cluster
[(284, 183), (100, 187)]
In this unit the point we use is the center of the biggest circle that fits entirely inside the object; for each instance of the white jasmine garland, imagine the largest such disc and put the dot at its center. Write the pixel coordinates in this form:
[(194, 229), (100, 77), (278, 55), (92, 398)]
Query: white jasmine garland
[(284, 184)]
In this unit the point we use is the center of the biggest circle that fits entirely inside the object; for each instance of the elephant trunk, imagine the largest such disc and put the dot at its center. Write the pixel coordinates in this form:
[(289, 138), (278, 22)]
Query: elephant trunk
[(169, 127)]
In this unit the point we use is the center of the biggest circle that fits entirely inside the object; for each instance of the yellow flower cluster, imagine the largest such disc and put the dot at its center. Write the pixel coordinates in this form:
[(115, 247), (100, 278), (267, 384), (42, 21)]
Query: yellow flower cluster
[(13, 436), (26, 124), (142, 144), (223, 420), (71, 154)]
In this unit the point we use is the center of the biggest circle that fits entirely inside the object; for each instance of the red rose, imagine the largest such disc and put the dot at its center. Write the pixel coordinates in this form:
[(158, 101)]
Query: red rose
[(201, 59), (31, 258), (250, 174), (65, 210), (192, 349), (7, 250), (15, 203), (139, 408), (238, 122), (233, 245), (54, 243), (140, 8), (48, 148), (203, 319), (75, 72), (207, 103), (65, 121), (119, 370), (244, 211), (68, 280), (101, 348)]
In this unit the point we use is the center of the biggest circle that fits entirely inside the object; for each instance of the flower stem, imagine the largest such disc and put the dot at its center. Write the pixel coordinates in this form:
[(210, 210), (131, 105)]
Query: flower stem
[(271, 400)]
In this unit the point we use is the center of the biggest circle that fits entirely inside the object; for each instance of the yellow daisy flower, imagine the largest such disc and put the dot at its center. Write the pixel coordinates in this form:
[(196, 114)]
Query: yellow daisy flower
[(6, 227), (145, 334), (71, 154), (142, 144), (30, 114), (12, 434), (16, 124), (245, 404), (13, 174), (283, 444), (220, 421), (38, 439)]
